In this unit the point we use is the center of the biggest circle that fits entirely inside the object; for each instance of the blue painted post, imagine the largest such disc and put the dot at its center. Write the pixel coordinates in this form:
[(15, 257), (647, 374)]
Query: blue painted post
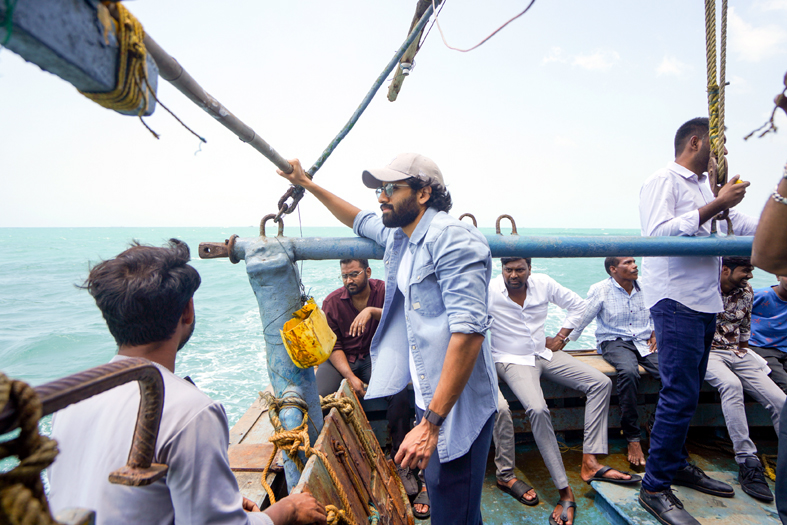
[(276, 284)]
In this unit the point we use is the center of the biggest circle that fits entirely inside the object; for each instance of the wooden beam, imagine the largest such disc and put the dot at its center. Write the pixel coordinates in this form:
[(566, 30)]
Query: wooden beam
[(409, 55), (73, 39)]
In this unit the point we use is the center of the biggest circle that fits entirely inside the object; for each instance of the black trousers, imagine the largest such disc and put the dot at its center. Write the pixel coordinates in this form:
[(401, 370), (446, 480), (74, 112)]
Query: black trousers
[(777, 361), (329, 379), (625, 357)]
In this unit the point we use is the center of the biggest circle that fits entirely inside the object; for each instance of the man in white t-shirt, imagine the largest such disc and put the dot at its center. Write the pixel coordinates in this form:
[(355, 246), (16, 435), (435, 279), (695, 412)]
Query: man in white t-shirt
[(146, 297)]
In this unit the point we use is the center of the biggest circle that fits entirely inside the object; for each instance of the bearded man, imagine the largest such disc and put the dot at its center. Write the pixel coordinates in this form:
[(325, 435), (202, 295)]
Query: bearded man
[(433, 325)]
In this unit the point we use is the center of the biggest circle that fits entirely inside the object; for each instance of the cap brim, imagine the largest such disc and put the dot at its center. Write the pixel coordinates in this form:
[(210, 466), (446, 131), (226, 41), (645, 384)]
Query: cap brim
[(376, 177)]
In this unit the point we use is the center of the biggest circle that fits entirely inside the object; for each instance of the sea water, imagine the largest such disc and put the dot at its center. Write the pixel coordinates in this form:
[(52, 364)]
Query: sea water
[(49, 328)]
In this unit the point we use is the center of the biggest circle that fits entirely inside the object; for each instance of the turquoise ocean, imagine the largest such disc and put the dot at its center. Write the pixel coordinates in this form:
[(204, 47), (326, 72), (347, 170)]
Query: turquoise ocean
[(49, 328)]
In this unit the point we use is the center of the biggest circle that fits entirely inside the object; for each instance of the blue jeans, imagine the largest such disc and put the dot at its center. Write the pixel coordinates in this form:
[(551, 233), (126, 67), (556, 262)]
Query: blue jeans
[(455, 487), (684, 338)]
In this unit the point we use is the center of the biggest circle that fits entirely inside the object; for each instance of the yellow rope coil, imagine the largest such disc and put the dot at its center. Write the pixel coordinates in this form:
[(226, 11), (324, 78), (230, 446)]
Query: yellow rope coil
[(22, 497), (297, 440), (132, 88)]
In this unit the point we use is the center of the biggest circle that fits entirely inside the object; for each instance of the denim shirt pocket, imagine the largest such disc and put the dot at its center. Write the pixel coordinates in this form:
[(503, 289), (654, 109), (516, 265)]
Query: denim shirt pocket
[(426, 297)]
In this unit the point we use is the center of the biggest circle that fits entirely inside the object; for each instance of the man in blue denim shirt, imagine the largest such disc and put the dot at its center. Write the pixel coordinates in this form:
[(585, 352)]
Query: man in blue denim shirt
[(432, 329)]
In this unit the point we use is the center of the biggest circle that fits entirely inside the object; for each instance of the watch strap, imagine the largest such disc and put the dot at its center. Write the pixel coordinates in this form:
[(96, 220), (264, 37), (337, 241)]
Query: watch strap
[(433, 417)]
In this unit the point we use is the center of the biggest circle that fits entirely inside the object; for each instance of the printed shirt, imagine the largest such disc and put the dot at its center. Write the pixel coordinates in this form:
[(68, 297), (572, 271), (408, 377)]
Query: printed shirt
[(768, 320), (340, 312), (668, 206), (733, 325), (447, 293), (617, 314), (517, 334)]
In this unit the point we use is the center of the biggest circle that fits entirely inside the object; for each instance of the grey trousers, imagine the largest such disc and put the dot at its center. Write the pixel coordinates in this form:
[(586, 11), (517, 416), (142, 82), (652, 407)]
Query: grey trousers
[(525, 382), (731, 376)]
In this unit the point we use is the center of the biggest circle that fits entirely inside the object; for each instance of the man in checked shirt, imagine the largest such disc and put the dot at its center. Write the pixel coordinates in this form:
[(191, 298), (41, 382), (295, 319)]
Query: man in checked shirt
[(625, 338), (732, 369)]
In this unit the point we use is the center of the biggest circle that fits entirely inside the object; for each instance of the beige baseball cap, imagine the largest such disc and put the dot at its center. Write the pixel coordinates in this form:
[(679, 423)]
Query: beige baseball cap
[(404, 166)]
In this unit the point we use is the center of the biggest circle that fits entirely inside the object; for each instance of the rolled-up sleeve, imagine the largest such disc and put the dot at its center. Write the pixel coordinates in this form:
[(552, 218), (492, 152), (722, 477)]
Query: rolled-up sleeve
[(462, 267), (367, 224), (657, 204)]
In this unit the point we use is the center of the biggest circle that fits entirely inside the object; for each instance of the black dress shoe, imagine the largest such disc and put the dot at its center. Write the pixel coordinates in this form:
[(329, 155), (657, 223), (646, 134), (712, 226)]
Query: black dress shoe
[(693, 477), (753, 480), (666, 507)]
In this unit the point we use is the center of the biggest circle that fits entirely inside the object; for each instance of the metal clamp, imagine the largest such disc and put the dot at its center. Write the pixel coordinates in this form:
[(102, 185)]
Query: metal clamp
[(268, 217), (513, 224), (472, 218), (56, 395)]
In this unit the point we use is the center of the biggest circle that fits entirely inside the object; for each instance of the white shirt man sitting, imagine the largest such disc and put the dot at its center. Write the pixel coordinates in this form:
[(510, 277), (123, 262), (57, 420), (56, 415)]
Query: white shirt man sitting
[(518, 303)]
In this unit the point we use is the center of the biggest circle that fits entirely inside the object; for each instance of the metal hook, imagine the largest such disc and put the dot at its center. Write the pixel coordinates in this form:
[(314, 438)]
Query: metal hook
[(471, 218), (268, 217), (513, 224)]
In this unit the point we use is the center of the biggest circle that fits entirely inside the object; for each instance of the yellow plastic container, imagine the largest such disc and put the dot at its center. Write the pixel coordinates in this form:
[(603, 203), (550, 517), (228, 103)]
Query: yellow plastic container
[(307, 337)]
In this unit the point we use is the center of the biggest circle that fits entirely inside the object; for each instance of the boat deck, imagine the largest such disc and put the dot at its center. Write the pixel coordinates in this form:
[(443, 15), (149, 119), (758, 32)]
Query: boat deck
[(603, 503)]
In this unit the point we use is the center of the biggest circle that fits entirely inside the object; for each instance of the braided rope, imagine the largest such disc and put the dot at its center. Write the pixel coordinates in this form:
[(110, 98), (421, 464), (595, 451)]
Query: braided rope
[(716, 88), (297, 440), (22, 497)]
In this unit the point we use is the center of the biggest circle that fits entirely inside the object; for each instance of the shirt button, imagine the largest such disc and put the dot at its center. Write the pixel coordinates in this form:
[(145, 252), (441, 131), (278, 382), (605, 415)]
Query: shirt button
[(417, 276), (413, 347), (422, 376)]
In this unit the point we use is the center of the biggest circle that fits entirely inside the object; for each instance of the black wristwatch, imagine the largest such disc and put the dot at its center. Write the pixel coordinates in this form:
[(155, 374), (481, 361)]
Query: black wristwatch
[(433, 417)]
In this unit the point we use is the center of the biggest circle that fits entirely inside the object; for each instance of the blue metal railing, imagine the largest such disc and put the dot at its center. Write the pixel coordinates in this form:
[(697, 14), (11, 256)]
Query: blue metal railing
[(300, 248)]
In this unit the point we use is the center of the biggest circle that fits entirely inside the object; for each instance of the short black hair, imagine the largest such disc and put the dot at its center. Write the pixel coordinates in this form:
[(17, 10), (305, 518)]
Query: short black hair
[(697, 126), (733, 262), (506, 260), (440, 198), (363, 262), (609, 262), (143, 291)]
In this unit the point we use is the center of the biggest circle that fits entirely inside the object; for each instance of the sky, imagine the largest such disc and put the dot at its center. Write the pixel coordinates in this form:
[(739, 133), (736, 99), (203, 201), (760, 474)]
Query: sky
[(557, 120)]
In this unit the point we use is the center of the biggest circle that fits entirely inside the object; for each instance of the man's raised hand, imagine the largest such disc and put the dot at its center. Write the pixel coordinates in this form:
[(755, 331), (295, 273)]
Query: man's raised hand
[(298, 177)]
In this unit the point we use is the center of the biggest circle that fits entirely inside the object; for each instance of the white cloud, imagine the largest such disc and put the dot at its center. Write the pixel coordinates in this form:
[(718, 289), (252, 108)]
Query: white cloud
[(598, 61), (753, 44), (672, 66), (555, 55), (772, 5)]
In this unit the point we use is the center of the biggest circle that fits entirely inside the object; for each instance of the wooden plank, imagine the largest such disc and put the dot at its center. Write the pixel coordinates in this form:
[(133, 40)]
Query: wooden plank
[(250, 457), (257, 412), (332, 445)]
